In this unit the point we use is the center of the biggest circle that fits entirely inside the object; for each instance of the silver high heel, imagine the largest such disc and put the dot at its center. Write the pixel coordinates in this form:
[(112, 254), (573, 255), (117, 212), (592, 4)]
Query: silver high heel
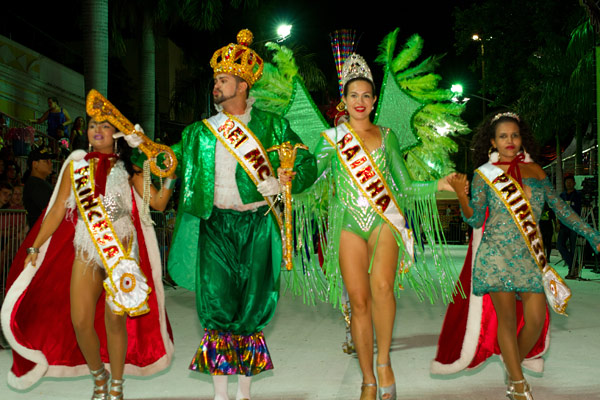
[(524, 395), (389, 391), (100, 391), (116, 385), (363, 386)]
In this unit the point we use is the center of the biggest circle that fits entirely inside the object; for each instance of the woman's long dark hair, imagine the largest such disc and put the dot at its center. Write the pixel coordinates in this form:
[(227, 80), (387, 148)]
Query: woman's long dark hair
[(486, 131), (124, 152)]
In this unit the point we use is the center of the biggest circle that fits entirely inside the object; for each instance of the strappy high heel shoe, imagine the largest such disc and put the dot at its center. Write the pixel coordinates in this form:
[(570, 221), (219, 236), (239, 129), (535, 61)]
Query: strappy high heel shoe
[(363, 386), (100, 391), (524, 395), (116, 385), (389, 391)]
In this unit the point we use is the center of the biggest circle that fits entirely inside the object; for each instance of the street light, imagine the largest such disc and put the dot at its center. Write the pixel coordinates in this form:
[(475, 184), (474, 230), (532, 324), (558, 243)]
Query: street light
[(477, 38), (284, 32), (458, 95)]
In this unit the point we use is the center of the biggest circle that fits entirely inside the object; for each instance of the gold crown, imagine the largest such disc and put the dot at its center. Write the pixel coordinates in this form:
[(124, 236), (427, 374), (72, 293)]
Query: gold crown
[(238, 59)]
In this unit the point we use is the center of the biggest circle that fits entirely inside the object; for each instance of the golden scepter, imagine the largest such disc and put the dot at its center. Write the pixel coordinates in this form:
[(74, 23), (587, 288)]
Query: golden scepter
[(287, 157), (99, 108)]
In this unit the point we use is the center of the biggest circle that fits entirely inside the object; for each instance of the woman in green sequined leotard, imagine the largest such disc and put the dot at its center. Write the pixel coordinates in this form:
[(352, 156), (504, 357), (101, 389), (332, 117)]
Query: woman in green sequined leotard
[(504, 267), (361, 244)]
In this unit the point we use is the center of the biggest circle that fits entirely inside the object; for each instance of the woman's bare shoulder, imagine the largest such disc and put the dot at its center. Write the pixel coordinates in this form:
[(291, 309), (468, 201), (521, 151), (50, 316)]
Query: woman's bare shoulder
[(533, 170)]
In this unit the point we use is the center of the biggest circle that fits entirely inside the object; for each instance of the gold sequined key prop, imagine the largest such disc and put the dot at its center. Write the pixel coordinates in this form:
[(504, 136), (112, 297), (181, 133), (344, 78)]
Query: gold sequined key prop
[(287, 156), (99, 108)]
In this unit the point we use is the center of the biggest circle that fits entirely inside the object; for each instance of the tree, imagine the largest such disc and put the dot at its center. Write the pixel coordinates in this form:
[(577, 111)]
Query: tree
[(95, 67), (525, 62), (144, 20)]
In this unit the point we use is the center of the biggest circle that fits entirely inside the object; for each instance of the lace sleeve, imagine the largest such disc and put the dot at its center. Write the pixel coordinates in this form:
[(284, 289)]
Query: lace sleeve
[(478, 202), (569, 217)]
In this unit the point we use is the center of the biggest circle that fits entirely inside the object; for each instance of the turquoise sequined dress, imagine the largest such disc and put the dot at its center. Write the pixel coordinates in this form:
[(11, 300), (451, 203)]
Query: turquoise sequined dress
[(503, 262)]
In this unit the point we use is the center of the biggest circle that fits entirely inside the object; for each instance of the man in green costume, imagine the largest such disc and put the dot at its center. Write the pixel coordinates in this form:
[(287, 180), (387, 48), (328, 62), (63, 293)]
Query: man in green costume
[(227, 244)]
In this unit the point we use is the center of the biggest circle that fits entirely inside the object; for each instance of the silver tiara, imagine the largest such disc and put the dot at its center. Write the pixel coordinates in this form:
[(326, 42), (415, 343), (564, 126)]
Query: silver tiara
[(355, 67), (506, 114)]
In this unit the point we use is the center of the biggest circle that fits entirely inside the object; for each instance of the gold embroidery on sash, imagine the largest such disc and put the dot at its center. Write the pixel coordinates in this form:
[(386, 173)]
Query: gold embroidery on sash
[(236, 137), (370, 181), (108, 245)]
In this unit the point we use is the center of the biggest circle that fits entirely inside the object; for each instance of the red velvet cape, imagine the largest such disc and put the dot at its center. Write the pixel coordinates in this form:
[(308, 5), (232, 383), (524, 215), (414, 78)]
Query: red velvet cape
[(36, 312), (468, 335)]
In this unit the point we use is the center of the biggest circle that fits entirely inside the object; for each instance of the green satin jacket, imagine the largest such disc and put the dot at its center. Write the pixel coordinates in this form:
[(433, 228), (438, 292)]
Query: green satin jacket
[(196, 155), (196, 169)]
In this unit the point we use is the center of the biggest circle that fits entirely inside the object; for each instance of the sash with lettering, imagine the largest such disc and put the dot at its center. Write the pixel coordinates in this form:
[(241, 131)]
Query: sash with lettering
[(126, 286), (371, 182), (240, 141), (513, 197)]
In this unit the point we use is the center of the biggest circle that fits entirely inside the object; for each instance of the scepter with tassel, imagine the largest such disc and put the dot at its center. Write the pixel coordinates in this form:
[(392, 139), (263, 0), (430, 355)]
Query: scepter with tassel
[(287, 157)]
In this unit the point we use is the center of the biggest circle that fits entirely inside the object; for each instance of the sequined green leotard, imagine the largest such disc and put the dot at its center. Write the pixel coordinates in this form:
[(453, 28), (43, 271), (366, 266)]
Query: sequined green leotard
[(349, 210)]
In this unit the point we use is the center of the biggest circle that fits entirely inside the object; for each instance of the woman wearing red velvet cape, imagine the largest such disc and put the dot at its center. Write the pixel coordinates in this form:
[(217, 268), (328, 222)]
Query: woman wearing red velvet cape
[(53, 335), (506, 311)]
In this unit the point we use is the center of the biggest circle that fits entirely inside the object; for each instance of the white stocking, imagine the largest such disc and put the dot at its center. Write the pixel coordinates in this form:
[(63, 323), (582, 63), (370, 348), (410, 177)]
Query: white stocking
[(243, 391), (220, 385)]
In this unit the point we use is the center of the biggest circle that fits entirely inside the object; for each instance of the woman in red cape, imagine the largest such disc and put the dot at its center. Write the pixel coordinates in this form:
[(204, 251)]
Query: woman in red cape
[(468, 337), (506, 312), (37, 311)]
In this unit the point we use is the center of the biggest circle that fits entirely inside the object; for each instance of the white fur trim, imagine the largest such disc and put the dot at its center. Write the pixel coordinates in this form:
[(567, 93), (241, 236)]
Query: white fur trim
[(14, 294), (473, 328), (35, 356), (154, 257)]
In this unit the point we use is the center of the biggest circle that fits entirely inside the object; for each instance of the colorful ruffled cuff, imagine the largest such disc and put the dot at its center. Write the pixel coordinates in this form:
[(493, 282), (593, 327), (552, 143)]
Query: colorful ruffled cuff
[(225, 353)]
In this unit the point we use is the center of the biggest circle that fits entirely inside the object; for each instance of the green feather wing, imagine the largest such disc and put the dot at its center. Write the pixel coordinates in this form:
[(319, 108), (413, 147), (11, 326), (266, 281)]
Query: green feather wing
[(281, 90), (304, 116), (420, 113)]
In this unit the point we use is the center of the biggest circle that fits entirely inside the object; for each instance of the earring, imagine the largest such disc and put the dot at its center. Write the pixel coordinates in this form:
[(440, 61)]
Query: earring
[(528, 158), (115, 145), (341, 106), (493, 155), (90, 148)]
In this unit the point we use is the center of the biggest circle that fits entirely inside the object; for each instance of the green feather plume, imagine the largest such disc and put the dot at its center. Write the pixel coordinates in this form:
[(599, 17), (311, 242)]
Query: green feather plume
[(281, 90), (429, 116), (273, 91)]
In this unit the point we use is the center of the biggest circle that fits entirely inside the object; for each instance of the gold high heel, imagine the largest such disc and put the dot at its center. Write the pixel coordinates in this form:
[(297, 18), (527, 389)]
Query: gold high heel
[(116, 385), (100, 391), (524, 395)]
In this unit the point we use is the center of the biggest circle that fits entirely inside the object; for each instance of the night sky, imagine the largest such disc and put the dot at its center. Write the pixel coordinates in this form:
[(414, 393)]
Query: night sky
[(312, 21)]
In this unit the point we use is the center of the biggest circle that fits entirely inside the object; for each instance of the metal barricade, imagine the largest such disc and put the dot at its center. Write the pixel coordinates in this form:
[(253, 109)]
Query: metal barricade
[(164, 224), (455, 229), (13, 228)]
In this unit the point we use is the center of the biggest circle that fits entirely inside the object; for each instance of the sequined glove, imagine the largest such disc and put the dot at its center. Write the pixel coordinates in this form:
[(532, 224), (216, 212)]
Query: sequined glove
[(269, 187), (132, 140)]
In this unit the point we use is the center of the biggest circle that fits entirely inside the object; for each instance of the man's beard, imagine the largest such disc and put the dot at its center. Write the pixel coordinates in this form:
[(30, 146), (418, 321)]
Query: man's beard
[(220, 98)]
